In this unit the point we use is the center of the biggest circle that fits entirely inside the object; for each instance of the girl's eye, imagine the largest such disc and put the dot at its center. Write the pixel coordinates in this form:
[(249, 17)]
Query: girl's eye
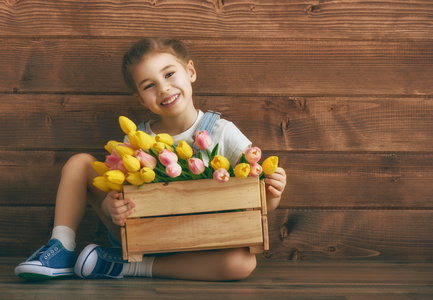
[(148, 86), (169, 75)]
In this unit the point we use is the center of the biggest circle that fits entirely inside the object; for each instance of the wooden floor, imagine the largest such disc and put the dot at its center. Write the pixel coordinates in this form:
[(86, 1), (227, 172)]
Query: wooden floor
[(272, 279)]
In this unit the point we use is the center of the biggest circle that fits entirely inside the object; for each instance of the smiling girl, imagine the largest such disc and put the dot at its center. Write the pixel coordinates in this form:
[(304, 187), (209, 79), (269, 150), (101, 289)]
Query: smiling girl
[(160, 72)]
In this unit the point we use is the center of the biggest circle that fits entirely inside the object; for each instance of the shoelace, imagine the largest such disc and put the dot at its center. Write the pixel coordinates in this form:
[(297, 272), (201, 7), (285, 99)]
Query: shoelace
[(43, 249)]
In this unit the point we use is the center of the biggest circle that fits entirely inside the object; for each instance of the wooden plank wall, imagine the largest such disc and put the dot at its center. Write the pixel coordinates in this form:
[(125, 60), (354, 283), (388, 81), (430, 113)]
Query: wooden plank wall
[(341, 91)]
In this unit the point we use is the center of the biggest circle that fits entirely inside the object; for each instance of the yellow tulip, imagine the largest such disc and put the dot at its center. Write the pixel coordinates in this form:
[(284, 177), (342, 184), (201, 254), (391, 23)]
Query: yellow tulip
[(134, 178), (123, 150), (270, 165), (114, 176), (140, 139), (220, 162), (131, 163), (101, 183), (159, 146), (111, 145), (242, 170), (100, 167), (164, 138), (115, 186), (147, 174), (133, 140), (184, 150), (127, 125)]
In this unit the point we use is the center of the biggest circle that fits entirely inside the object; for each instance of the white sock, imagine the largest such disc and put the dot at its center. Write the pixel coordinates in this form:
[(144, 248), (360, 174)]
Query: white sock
[(139, 269), (65, 235)]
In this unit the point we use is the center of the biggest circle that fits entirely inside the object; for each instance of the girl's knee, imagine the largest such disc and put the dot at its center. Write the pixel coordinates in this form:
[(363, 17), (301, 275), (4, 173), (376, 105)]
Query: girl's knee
[(80, 163), (238, 264)]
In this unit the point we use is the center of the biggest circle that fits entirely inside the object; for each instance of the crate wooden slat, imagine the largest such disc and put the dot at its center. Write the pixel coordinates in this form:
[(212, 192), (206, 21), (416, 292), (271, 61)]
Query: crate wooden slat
[(195, 196), (195, 215)]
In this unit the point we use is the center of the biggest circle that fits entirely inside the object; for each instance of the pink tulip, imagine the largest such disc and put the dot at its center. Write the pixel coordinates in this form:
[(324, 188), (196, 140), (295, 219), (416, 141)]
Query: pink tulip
[(167, 157), (253, 154), (114, 162), (112, 159), (202, 140), (173, 170), (255, 170), (221, 175), (196, 165), (146, 160)]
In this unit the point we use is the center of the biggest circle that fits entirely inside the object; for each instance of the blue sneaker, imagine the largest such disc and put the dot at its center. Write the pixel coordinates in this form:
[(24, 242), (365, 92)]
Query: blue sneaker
[(98, 262), (49, 261)]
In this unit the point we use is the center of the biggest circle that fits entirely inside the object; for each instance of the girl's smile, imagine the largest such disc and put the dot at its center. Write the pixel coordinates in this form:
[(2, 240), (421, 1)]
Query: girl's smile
[(170, 100)]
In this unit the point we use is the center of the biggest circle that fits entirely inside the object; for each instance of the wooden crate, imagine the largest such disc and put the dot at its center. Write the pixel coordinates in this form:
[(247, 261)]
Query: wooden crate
[(196, 215)]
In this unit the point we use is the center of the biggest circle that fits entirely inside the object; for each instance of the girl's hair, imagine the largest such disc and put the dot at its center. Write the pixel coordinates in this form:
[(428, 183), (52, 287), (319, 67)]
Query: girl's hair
[(147, 46)]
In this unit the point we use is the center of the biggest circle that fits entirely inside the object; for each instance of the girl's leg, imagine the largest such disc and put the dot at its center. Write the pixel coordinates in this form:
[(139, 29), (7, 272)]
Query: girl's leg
[(216, 265), (58, 257), (77, 177)]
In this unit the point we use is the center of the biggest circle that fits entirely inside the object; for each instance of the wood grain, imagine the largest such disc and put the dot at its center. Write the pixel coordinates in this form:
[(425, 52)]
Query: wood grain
[(25, 229), (295, 234), (83, 122), (195, 196), (272, 279), (357, 180), (229, 66), (350, 234), (220, 19)]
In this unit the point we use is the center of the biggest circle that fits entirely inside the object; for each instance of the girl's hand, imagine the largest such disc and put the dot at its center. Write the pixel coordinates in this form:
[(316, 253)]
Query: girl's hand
[(117, 209), (276, 182)]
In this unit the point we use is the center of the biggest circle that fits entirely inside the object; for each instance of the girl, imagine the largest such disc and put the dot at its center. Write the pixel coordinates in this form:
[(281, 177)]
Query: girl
[(160, 73)]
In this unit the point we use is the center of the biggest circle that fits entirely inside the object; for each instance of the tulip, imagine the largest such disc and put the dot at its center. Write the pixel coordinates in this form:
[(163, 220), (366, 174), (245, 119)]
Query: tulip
[(112, 160), (253, 154), (219, 162), (100, 167), (242, 170), (173, 170), (184, 150), (146, 160), (134, 178), (221, 175), (159, 146), (127, 125), (147, 174), (196, 166), (115, 176), (164, 138), (255, 170), (133, 140), (101, 183), (202, 140), (123, 150), (115, 186), (111, 145), (131, 163), (140, 139), (270, 165), (167, 157)]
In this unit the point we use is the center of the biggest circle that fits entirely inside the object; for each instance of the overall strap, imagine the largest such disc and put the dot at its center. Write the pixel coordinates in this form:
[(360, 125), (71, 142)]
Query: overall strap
[(207, 123)]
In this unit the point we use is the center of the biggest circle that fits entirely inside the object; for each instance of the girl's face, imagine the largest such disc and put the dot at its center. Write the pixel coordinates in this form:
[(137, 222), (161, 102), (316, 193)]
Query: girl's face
[(164, 84)]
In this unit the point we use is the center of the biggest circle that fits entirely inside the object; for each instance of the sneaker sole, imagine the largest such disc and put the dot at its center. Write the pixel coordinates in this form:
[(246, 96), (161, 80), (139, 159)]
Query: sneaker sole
[(32, 272), (82, 259)]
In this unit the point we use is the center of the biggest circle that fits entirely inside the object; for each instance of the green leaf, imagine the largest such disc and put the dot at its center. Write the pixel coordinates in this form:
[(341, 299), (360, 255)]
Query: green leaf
[(243, 160), (214, 151)]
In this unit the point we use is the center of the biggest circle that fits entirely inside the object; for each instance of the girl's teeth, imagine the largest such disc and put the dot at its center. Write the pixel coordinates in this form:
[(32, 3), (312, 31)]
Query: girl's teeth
[(170, 101)]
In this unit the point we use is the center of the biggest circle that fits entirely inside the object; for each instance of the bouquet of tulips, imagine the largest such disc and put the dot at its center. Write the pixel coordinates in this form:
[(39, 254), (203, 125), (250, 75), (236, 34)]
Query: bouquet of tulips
[(147, 159)]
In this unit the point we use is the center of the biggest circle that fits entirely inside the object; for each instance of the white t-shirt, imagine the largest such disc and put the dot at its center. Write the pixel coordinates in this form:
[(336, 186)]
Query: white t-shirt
[(232, 142)]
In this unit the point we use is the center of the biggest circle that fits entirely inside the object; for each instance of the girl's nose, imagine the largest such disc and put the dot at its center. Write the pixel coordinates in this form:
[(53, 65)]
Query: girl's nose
[(164, 89)]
